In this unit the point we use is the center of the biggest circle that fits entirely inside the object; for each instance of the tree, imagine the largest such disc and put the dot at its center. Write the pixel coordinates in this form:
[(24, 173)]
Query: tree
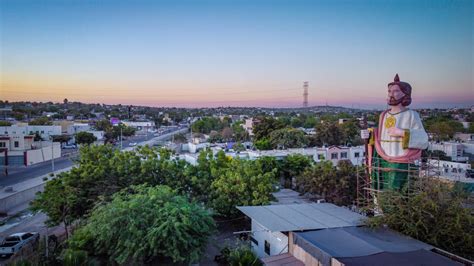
[(292, 166), (241, 184), (145, 224), (288, 138), (180, 138), (41, 121), (335, 184), (239, 132), (38, 137), (85, 138), (265, 126), (351, 133), (5, 124), (55, 201), (329, 133), (263, 144), (227, 134), (238, 147), (61, 138), (437, 214)]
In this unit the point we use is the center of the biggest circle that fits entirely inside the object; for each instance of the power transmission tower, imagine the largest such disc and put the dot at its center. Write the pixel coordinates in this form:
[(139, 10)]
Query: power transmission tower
[(305, 94)]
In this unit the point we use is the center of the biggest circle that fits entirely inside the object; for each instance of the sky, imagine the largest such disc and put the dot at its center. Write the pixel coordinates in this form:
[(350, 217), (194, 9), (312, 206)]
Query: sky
[(237, 52)]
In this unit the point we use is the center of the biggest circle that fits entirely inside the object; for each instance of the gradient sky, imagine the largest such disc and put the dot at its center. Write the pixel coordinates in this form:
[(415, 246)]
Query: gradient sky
[(236, 53)]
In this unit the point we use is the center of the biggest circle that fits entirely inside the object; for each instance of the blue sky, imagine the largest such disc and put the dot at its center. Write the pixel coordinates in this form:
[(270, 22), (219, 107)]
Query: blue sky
[(247, 53)]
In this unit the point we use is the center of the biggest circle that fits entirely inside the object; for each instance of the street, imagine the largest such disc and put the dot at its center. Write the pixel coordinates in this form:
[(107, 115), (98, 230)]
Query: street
[(23, 173)]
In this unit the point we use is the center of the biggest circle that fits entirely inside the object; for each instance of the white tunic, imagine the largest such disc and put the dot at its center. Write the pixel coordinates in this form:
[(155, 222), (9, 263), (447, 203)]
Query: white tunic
[(416, 138)]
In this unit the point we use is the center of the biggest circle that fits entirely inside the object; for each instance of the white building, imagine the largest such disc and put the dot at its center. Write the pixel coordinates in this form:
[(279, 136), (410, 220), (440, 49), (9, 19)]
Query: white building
[(44, 131), (248, 126), (140, 125), (335, 154), (453, 171), (452, 149), (78, 127)]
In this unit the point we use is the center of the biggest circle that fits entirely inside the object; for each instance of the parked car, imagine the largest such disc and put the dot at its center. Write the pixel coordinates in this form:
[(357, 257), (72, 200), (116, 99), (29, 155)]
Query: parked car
[(14, 243), (133, 144), (71, 146)]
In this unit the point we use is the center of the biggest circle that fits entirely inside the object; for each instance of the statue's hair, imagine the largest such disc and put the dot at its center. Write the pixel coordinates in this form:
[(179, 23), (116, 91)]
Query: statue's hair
[(406, 100)]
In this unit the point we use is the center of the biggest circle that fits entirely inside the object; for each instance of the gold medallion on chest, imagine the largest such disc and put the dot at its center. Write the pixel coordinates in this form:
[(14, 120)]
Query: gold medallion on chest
[(390, 122)]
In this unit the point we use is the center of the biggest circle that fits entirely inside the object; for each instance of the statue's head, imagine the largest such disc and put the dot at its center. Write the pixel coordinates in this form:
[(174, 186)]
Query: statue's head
[(399, 92)]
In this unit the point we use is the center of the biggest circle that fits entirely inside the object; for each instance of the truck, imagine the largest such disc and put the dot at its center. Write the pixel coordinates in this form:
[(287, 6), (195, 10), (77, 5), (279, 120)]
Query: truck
[(14, 243)]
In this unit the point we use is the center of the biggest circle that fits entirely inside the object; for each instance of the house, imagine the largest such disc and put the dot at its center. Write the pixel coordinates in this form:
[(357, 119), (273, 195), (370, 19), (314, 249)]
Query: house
[(272, 224), (453, 171), (44, 131), (337, 153), (140, 125), (455, 150), (325, 234)]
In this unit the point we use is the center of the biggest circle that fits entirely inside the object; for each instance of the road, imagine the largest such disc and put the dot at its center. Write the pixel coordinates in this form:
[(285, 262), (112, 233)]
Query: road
[(23, 173)]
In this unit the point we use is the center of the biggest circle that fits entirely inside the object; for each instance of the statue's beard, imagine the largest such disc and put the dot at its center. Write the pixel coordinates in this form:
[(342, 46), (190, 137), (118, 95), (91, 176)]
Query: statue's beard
[(392, 101)]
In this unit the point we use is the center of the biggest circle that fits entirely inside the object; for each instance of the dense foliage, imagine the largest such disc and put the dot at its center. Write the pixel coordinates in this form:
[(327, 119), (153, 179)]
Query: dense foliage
[(336, 184), (436, 215), (143, 223), (85, 138)]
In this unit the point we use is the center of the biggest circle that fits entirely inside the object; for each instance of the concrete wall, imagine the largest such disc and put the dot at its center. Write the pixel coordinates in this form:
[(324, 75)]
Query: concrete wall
[(43, 154), (19, 198), (277, 240)]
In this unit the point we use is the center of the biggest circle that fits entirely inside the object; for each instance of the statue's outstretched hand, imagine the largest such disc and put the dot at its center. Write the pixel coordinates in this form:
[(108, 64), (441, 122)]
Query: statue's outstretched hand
[(396, 132)]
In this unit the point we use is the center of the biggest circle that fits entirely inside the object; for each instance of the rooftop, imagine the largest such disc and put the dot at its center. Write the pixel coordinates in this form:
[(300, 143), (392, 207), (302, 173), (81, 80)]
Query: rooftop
[(299, 217)]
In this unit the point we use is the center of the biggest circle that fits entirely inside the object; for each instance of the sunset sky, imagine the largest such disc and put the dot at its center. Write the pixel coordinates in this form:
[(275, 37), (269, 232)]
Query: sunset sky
[(236, 53)]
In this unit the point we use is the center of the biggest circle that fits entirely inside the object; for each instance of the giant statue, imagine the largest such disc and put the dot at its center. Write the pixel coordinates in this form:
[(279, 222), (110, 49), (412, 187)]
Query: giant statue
[(397, 142)]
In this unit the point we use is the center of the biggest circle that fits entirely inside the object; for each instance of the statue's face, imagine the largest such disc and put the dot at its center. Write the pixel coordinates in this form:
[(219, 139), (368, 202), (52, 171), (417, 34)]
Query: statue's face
[(395, 95)]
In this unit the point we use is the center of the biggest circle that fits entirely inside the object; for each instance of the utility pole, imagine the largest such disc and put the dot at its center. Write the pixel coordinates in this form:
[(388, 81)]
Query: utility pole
[(52, 154), (121, 143)]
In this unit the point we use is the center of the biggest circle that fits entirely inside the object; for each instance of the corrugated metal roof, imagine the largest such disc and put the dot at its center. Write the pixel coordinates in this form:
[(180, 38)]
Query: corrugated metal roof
[(299, 217)]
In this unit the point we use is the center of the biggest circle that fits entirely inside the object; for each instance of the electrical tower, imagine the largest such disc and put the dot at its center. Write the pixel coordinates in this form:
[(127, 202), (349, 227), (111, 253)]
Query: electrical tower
[(305, 94)]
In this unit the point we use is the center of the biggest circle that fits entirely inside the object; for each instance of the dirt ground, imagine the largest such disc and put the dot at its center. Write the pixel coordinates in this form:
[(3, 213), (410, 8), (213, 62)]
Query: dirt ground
[(224, 237)]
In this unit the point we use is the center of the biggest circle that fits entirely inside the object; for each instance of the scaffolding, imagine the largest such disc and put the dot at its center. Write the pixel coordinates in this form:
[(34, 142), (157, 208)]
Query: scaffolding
[(371, 184)]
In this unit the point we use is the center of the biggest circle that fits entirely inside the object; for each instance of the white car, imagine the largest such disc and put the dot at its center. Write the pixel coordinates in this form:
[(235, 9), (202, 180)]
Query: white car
[(13, 243), (132, 144)]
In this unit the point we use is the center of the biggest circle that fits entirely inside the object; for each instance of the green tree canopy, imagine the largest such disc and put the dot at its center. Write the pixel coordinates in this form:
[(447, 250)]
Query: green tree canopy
[(56, 202), (142, 224), (335, 184), (329, 133), (241, 184), (85, 138), (265, 126), (288, 138), (437, 214), (41, 121)]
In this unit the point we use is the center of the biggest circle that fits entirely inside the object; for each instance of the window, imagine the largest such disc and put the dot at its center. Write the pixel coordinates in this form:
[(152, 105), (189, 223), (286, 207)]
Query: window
[(17, 144), (356, 155), (343, 155), (254, 240), (267, 247), (42, 131), (2, 145), (321, 156), (334, 155)]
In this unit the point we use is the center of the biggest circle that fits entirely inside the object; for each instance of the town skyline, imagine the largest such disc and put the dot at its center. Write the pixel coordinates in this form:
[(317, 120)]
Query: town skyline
[(210, 54)]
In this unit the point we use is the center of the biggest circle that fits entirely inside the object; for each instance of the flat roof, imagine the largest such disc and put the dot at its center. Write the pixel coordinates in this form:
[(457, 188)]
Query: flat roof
[(300, 217), (366, 246)]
